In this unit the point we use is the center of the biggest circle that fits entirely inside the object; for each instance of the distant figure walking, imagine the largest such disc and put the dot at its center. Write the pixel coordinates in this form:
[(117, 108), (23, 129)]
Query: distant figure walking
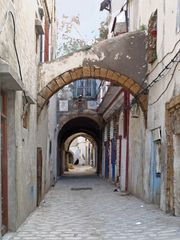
[(76, 162)]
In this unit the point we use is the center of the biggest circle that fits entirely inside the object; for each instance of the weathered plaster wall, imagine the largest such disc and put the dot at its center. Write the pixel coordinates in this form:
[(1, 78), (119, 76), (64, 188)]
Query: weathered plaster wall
[(124, 55), (21, 142), (137, 156), (167, 44), (42, 142), (12, 193), (52, 135), (47, 133)]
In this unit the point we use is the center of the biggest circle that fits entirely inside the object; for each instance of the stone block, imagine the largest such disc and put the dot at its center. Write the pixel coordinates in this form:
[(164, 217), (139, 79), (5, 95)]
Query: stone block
[(109, 74), (97, 72), (40, 101), (67, 77), (73, 75), (46, 93), (103, 73), (128, 83), (79, 73), (86, 72), (53, 86), (135, 88), (60, 81), (115, 76), (92, 69), (121, 80)]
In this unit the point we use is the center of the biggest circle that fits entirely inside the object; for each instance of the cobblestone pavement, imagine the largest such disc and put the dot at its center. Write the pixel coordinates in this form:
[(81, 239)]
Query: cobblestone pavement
[(95, 212)]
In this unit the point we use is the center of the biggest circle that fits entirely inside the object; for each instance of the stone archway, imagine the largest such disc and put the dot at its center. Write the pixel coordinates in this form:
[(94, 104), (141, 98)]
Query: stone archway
[(82, 125), (120, 60), (93, 142)]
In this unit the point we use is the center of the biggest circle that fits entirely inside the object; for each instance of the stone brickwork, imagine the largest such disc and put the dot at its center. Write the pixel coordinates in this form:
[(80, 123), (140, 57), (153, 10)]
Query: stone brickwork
[(90, 72), (95, 214), (22, 160), (172, 111), (120, 60)]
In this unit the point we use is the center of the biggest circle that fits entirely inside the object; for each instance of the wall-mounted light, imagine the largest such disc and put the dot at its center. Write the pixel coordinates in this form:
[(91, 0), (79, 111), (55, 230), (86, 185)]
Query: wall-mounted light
[(135, 111)]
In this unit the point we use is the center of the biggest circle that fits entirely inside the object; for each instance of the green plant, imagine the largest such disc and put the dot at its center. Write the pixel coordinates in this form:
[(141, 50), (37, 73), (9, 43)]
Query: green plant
[(142, 27)]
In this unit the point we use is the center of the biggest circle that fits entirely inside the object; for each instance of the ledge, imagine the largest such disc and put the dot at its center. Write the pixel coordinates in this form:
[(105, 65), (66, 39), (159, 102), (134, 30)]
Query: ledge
[(9, 79)]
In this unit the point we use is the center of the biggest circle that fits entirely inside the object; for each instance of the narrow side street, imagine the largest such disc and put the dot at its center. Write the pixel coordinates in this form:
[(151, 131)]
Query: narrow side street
[(86, 207)]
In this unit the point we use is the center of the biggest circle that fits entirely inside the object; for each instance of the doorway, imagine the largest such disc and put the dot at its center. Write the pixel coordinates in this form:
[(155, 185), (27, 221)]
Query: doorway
[(39, 175), (4, 182)]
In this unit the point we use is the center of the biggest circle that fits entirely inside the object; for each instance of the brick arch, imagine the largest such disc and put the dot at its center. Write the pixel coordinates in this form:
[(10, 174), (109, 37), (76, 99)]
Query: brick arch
[(90, 72)]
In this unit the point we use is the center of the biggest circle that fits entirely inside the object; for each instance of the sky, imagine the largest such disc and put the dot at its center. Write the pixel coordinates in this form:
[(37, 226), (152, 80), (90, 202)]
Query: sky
[(89, 15)]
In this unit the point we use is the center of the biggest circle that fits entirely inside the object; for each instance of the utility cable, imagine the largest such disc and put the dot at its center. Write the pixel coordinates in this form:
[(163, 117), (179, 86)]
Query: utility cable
[(163, 58), (15, 47), (160, 62), (163, 73), (166, 86)]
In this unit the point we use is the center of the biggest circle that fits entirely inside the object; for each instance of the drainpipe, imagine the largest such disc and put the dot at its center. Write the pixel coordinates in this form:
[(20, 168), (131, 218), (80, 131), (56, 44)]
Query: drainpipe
[(126, 131), (126, 16)]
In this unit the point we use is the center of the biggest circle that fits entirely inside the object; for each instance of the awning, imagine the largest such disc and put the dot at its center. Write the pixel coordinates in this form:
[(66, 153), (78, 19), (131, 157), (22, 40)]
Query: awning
[(112, 101)]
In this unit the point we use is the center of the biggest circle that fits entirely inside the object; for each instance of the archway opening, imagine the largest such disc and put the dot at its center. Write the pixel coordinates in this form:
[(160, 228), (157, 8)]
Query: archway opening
[(80, 156), (79, 138), (135, 88)]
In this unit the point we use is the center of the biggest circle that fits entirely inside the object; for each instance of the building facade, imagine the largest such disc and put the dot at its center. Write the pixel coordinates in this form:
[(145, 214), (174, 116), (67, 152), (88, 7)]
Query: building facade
[(153, 139), (136, 124), (26, 32)]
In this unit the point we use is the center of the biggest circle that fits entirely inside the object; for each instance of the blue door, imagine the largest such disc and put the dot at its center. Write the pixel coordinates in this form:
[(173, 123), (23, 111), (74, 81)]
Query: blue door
[(113, 158), (155, 178), (106, 160)]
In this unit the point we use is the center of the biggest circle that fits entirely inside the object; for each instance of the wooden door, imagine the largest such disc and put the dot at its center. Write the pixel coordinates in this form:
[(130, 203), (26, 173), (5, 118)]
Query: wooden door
[(39, 175)]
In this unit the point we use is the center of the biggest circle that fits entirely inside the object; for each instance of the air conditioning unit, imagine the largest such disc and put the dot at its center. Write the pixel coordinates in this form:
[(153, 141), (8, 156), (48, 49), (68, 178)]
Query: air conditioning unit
[(156, 134)]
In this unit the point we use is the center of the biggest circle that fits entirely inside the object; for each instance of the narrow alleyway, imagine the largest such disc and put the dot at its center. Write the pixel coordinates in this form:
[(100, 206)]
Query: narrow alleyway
[(86, 207)]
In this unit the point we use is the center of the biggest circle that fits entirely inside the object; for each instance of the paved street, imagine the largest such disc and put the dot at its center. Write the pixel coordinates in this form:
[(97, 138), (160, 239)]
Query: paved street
[(85, 207)]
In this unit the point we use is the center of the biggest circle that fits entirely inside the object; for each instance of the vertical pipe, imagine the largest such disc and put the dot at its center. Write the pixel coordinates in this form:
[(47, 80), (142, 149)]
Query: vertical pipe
[(126, 131)]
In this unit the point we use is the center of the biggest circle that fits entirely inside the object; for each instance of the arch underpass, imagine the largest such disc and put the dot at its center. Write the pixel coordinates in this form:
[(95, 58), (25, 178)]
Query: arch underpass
[(120, 60), (80, 126), (83, 147)]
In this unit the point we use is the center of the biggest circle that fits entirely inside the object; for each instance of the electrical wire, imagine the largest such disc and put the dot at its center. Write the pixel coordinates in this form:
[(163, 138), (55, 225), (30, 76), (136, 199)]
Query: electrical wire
[(160, 75), (166, 86), (160, 62), (15, 47), (163, 58), (163, 73)]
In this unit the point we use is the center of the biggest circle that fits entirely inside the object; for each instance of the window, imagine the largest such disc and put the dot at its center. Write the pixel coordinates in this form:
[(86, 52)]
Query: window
[(85, 88), (152, 38), (178, 17)]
